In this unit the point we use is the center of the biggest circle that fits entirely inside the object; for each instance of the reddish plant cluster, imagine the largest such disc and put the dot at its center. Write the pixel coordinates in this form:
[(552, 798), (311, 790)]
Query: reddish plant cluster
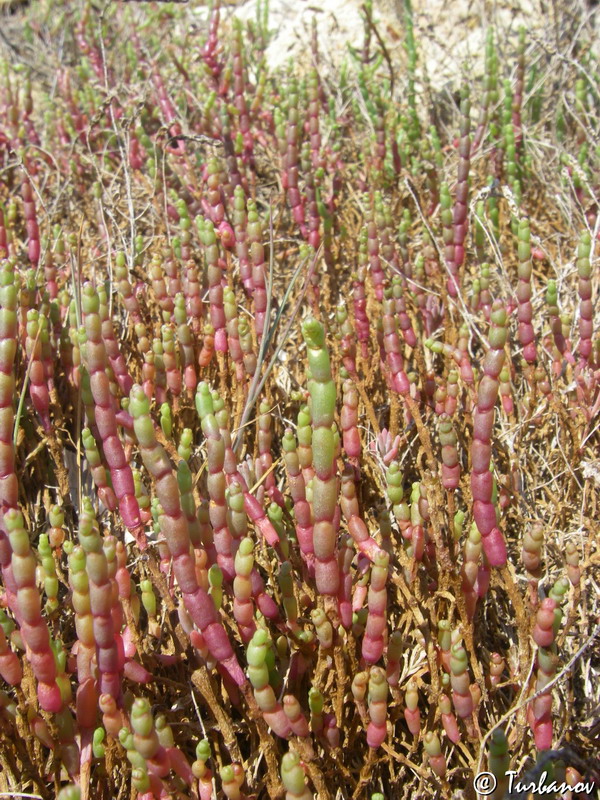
[(298, 415)]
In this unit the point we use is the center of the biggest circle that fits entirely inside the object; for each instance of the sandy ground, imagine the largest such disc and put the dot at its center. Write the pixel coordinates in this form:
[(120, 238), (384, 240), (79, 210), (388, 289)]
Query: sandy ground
[(450, 34)]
